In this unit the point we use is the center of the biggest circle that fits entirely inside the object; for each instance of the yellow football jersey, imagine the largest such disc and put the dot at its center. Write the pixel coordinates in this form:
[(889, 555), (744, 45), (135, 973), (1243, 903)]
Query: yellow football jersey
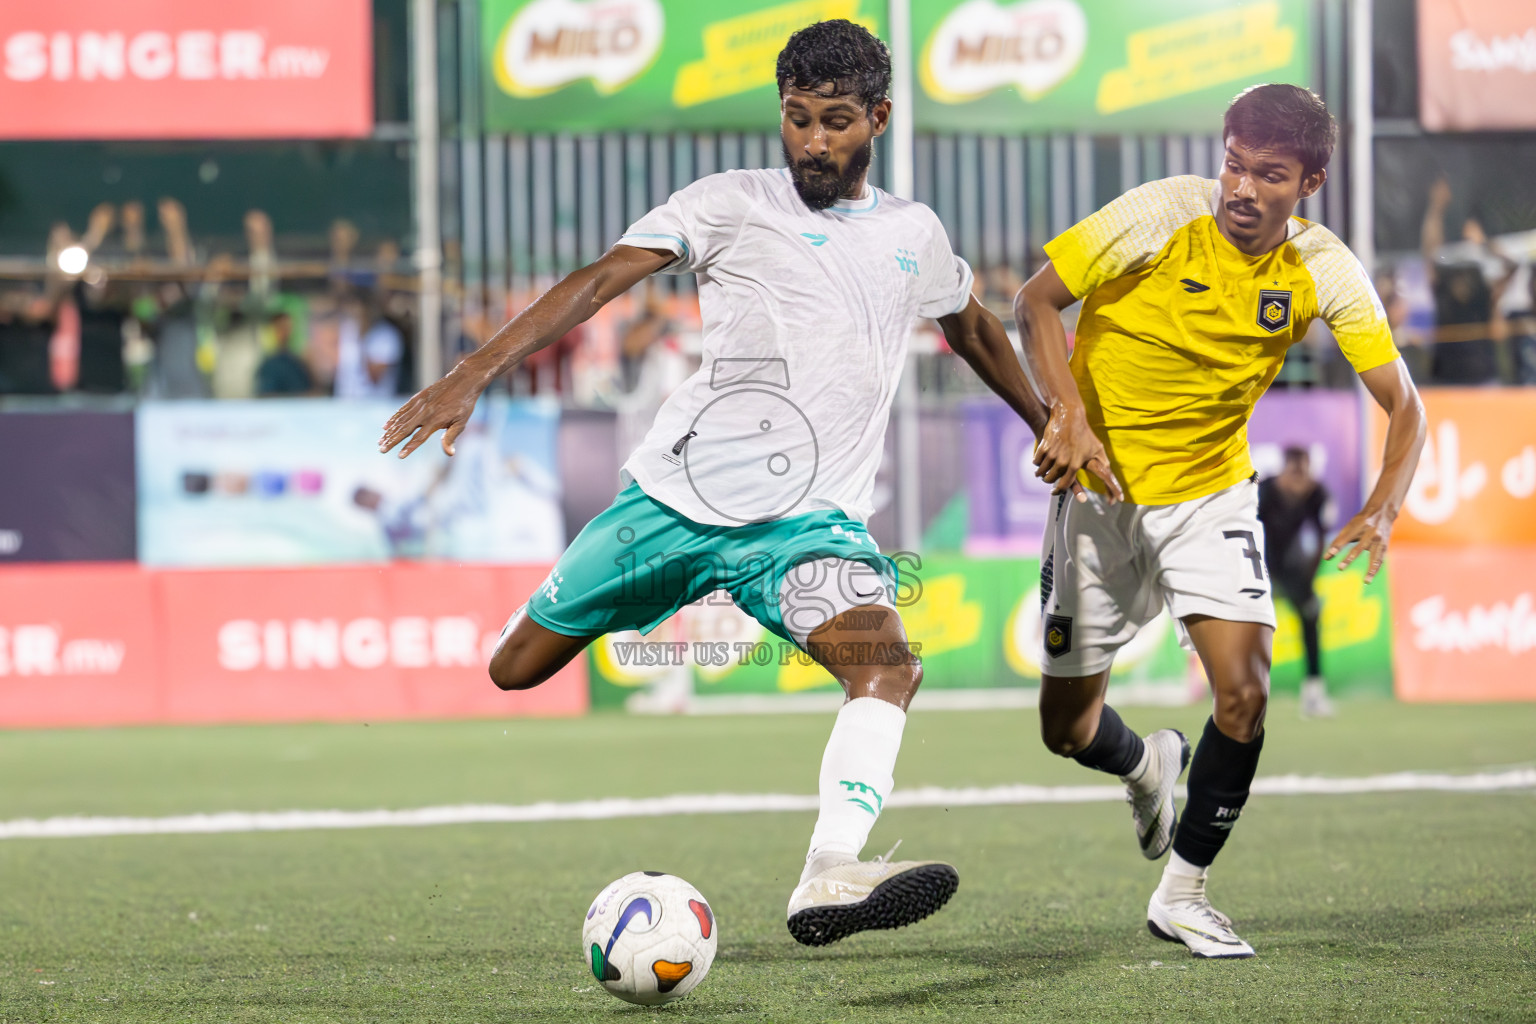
[(1181, 332)]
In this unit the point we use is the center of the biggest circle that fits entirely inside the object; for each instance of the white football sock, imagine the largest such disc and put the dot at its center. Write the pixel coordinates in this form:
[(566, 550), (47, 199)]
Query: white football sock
[(857, 774), (1182, 881), (1140, 777)]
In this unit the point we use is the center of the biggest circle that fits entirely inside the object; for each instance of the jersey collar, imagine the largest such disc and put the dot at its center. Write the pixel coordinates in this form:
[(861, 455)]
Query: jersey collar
[(864, 204)]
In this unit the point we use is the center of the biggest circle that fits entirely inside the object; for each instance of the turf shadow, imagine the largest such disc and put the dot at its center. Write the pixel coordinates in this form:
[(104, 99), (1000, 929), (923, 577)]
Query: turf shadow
[(921, 993)]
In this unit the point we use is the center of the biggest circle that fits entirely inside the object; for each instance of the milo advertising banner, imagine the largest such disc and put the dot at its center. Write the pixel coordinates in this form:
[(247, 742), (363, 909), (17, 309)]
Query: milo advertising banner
[(1099, 65), (975, 622), (981, 65), (645, 65)]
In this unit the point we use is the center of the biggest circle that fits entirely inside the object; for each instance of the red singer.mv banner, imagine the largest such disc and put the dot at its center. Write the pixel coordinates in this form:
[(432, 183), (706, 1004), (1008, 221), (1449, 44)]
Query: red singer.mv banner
[(180, 69), (118, 644)]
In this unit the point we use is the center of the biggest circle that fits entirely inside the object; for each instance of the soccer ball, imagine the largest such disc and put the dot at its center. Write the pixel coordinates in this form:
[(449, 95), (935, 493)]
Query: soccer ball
[(649, 938)]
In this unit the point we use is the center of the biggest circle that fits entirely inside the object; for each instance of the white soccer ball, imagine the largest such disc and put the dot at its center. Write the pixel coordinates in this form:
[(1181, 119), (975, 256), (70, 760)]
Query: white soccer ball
[(649, 938)]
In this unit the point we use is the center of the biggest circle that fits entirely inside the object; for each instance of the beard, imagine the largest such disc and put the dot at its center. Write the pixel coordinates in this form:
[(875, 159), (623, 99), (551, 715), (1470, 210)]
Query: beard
[(818, 182)]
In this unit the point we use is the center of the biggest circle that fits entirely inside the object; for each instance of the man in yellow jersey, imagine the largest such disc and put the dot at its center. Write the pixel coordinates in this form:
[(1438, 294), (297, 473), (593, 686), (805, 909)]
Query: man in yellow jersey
[(1192, 292)]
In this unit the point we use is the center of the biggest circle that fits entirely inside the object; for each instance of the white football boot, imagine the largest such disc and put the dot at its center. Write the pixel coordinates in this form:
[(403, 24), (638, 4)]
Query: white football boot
[(1151, 793), (866, 895), (1314, 698), (1204, 929)]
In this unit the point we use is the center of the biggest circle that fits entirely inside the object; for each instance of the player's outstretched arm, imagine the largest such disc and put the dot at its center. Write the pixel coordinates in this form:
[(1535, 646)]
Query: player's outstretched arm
[(1068, 444), (447, 404), (1370, 530), (978, 337)]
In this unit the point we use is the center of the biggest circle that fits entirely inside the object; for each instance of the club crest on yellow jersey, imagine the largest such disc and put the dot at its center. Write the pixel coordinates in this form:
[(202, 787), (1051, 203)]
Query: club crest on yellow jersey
[(1274, 310)]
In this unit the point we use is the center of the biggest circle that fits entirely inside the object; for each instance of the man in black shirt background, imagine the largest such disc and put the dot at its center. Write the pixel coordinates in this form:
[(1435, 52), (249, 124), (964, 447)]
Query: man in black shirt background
[(1297, 512)]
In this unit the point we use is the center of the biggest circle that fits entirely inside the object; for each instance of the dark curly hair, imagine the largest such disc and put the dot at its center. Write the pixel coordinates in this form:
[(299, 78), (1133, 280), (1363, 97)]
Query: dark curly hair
[(1284, 117), (839, 52)]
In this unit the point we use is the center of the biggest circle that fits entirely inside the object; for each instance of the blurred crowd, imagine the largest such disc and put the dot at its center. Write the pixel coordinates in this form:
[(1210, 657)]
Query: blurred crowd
[(1464, 311), (109, 316)]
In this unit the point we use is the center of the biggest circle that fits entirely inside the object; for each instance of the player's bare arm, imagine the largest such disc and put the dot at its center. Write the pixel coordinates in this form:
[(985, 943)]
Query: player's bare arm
[(978, 337), (1068, 444), (1371, 527), (447, 404)]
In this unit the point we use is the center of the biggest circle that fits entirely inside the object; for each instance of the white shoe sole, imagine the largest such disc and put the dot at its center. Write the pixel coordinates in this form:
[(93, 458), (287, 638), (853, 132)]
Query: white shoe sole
[(1160, 924)]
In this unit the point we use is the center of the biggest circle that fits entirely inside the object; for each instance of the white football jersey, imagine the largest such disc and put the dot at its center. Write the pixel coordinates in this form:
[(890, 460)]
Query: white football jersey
[(806, 319)]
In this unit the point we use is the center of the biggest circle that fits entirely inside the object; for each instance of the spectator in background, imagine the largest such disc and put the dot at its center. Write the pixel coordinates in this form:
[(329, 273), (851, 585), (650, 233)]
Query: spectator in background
[(1000, 284), (175, 372), (239, 314), (368, 351), (132, 213), (1522, 324), (27, 321), (1297, 513), (636, 337), (1465, 350), (282, 372), (101, 315)]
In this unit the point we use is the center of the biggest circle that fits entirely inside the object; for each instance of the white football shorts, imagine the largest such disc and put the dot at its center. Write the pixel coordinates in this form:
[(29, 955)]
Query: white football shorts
[(1107, 570)]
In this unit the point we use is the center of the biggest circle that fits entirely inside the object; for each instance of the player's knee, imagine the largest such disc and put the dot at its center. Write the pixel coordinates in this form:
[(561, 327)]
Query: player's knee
[(1240, 708), (894, 683), (1064, 735), (509, 670), (912, 676)]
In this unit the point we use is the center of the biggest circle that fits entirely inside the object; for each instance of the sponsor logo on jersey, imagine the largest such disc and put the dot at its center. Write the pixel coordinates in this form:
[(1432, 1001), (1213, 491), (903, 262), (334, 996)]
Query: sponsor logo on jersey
[(1193, 286), (1274, 310)]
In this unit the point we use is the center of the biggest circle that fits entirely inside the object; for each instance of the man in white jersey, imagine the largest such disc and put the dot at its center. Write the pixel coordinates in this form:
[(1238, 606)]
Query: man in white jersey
[(758, 474)]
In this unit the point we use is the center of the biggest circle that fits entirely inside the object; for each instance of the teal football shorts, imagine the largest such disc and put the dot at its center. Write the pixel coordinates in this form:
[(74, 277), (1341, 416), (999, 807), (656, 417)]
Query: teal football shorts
[(639, 561)]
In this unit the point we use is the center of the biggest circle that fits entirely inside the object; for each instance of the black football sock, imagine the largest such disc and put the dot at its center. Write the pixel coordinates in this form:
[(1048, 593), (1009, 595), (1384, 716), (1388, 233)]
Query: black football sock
[(1309, 641), (1220, 774), (1115, 748)]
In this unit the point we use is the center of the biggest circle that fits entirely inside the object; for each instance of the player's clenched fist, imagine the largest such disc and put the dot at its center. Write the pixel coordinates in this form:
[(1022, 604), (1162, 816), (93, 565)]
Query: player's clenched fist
[(1067, 446)]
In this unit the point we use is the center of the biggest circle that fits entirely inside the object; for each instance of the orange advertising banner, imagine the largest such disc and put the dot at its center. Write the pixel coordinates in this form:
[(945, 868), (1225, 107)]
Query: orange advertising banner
[(1477, 64), (79, 645), (1464, 623), (1476, 481), (186, 69), (117, 644)]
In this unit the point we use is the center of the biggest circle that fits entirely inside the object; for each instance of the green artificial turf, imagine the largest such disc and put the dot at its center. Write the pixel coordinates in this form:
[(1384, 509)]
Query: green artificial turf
[(1389, 907)]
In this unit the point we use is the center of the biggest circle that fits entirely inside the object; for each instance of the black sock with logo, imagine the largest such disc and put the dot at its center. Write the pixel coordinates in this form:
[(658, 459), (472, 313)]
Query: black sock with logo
[(1115, 748), (1220, 775)]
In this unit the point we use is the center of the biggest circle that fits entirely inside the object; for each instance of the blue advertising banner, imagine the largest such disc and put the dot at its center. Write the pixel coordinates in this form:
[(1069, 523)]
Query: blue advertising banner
[(301, 482)]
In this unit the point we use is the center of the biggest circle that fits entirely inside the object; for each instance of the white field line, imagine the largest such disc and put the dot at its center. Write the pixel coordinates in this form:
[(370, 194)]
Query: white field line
[(713, 803)]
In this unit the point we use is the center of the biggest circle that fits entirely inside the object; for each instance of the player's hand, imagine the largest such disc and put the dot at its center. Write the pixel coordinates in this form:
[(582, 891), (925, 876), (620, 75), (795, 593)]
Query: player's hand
[(1067, 446), (1368, 531), (446, 406)]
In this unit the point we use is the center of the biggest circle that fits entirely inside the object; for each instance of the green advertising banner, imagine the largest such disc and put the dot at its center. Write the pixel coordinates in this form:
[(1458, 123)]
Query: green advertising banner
[(975, 623), (987, 66), (1100, 66), (1354, 634), (643, 65), (977, 626)]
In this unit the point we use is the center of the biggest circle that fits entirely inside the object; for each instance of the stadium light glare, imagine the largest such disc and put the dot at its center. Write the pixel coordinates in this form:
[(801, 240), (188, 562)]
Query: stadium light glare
[(72, 259)]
